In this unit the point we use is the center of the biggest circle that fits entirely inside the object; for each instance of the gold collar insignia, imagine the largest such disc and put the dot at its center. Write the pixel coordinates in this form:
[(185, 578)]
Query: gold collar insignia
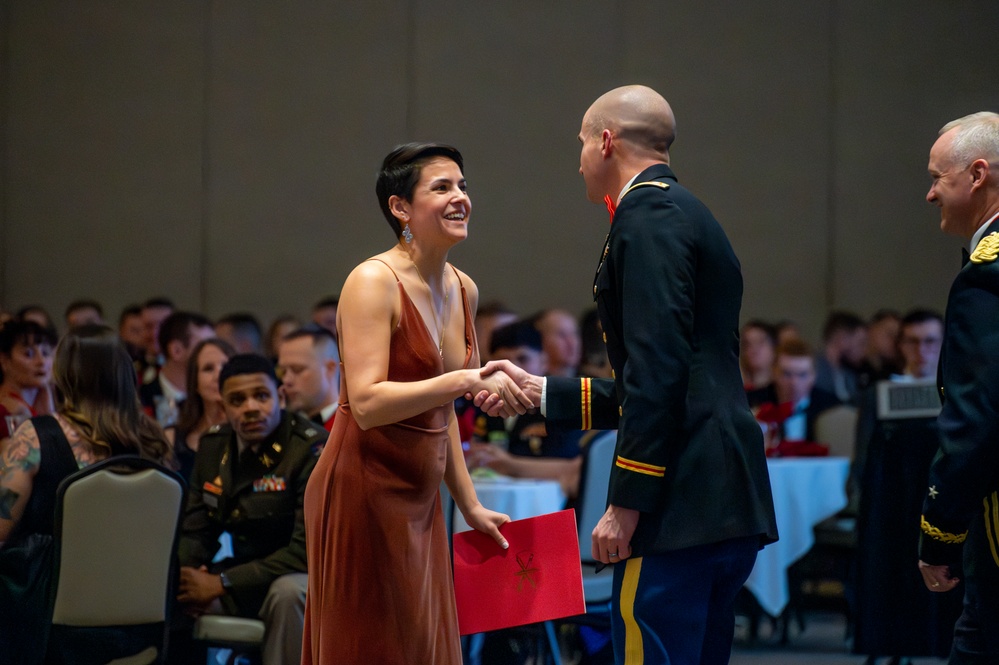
[(987, 250)]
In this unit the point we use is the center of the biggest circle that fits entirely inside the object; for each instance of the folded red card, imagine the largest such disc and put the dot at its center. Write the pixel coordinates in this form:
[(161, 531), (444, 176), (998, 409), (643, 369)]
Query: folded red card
[(538, 578)]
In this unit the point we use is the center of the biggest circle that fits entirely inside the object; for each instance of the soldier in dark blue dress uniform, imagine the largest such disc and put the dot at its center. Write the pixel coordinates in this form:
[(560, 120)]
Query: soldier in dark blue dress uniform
[(960, 521), (689, 497)]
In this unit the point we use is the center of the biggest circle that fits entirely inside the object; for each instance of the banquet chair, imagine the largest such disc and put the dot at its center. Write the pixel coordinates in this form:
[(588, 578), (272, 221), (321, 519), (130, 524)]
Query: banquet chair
[(598, 459), (822, 578), (241, 637), (594, 479), (116, 526), (837, 428)]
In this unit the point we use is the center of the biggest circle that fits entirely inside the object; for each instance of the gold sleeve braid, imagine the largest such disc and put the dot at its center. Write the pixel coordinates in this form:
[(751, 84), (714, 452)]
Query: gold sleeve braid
[(936, 534)]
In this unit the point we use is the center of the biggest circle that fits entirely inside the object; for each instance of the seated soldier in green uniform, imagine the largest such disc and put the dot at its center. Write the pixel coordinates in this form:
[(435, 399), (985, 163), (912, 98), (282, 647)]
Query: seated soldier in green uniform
[(249, 480)]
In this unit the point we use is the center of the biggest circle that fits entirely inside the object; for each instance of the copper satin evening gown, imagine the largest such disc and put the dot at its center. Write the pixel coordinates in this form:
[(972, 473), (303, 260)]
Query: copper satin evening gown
[(380, 584)]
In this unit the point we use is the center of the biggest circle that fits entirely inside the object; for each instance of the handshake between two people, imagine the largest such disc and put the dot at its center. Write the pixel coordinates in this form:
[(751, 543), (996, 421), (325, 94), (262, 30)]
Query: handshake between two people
[(507, 390)]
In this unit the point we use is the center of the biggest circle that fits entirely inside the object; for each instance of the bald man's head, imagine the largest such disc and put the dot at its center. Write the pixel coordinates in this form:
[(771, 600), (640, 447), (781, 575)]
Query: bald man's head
[(636, 114)]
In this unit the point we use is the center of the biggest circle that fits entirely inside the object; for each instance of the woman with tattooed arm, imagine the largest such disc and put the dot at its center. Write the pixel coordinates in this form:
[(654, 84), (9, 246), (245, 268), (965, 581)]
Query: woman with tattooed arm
[(98, 416)]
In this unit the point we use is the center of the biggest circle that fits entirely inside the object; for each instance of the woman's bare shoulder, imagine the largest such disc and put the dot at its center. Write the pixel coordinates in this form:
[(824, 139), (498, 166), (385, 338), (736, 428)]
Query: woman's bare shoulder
[(370, 289), (20, 451), (378, 270)]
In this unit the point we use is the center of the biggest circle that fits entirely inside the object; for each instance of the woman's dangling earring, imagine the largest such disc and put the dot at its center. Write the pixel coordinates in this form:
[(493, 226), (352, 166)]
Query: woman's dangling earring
[(407, 234)]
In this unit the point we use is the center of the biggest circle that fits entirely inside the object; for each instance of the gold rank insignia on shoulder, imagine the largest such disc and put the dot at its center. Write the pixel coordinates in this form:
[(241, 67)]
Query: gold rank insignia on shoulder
[(987, 249), (650, 183)]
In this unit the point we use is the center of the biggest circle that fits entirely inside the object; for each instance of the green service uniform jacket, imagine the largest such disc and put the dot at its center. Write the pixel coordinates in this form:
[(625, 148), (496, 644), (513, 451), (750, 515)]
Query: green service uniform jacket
[(259, 502), (690, 454), (963, 487)]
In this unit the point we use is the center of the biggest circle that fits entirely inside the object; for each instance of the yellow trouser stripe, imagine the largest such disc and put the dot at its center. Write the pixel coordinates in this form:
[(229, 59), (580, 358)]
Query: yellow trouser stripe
[(992, 525), (585, 392), (634, 653)]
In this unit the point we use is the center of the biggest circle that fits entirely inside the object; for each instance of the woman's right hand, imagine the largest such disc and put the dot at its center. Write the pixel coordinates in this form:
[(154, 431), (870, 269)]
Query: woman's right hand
[(512, 400)]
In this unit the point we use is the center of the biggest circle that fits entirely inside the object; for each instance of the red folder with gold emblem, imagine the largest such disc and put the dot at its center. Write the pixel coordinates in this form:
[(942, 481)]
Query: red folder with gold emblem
[(537, 579)]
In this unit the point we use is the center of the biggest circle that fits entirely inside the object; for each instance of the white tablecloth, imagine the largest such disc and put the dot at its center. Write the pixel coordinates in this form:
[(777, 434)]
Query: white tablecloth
[(517, 497), (806, 491)]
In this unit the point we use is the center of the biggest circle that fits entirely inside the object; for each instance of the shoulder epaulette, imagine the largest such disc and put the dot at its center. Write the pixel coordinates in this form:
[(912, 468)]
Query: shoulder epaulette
[(987, 250), (650, 183)]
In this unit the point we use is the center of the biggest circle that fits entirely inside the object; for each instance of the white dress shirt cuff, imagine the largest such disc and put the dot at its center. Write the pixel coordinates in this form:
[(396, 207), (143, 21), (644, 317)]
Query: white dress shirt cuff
[(544, 396)]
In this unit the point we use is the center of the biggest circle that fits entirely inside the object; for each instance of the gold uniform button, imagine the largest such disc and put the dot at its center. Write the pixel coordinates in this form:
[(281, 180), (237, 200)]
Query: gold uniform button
[(613, 374), (594, 289), (605, 338), (620, 410)]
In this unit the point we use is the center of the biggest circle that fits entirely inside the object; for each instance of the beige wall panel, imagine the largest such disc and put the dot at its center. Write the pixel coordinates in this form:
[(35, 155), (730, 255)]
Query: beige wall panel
[(103, 143), (903, 70), (304, 99), (508, 83), (748, 83), (224, 152)]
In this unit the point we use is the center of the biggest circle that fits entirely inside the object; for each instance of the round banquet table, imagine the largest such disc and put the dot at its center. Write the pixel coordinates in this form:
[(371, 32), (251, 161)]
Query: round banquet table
[(806, 490), (517, 497)]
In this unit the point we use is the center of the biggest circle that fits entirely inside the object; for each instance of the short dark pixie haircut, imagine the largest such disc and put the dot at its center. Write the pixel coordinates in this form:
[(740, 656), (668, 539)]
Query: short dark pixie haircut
[(247, 363), (401, 171)]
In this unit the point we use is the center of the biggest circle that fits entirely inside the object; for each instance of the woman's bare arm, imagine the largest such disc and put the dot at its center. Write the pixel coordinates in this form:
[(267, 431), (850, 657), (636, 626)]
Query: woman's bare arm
[(20, 456), (368, 312)]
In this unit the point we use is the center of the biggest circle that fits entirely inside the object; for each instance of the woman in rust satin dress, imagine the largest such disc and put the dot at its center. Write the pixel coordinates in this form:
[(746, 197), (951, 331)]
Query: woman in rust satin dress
[(380, 586)]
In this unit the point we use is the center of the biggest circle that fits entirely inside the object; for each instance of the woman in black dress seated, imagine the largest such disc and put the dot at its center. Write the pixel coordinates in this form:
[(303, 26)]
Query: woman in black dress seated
[(98, 416), (202, 409)]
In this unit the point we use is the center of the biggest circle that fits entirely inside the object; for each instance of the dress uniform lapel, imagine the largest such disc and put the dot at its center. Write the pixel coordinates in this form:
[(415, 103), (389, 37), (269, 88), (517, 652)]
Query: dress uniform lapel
[(600, 264), (255, 465), (645, 178)]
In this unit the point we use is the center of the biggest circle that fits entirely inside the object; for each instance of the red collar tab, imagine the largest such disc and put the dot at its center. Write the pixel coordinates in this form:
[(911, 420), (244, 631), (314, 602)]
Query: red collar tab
[(611, 207)]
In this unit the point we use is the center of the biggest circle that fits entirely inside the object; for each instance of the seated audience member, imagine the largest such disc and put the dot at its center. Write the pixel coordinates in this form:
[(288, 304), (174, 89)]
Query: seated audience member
[(844, 339), (84, 312), (522, 446), (309, 367), (131, 332), (281, 326), (154, 312), (786, 330), (242, 331), (757, 345), (882, 358), (594, 363), (560, 339), (793, 402), (489, 317), (98, 417), (896, 615), (25, 372), (249, 479), (178, 335), (202, 409), (324, 313), (919, 342), (37, 314)]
